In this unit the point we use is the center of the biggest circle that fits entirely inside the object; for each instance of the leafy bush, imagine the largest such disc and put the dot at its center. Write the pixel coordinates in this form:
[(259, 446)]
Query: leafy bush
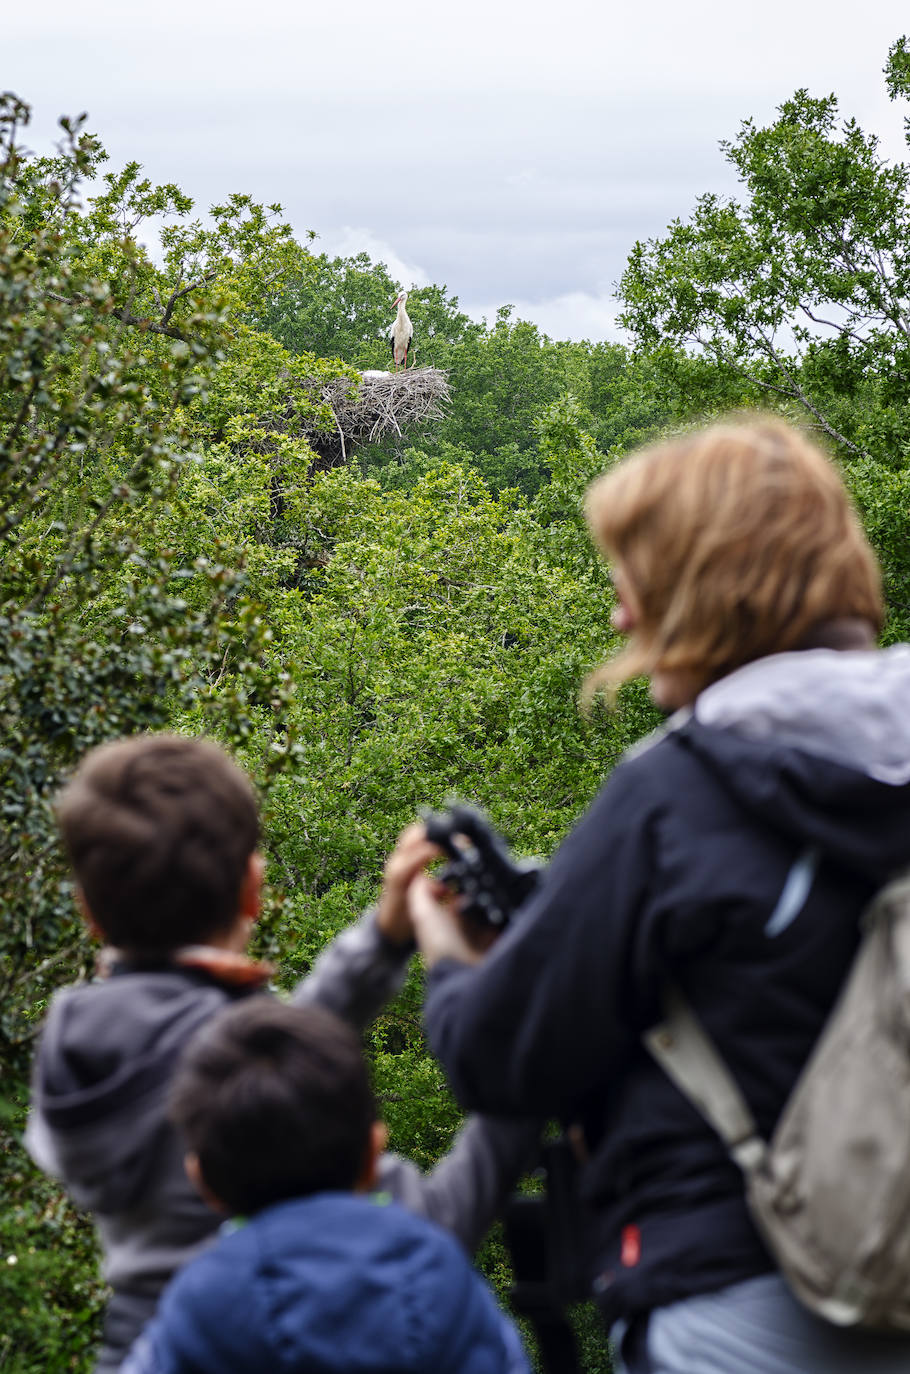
[(104, 630)]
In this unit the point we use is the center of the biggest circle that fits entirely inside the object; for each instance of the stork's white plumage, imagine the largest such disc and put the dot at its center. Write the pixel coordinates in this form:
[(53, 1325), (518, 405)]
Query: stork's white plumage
[(402, 332)]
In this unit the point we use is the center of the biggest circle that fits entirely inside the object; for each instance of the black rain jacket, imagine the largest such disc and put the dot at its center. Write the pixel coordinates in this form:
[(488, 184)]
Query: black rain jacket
[(735, 854)]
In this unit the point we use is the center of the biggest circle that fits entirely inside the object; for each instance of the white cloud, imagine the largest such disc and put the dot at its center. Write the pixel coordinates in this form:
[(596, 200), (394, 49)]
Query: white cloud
[(573, 315), (350, 240), (512, 153)]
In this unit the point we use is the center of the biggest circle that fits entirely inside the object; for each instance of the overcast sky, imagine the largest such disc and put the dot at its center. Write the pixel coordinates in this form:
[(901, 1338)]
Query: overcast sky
[(513, 152)]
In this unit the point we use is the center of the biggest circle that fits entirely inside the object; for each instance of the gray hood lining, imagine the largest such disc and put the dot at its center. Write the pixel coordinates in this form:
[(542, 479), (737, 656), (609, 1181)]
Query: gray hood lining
[(851, 708)]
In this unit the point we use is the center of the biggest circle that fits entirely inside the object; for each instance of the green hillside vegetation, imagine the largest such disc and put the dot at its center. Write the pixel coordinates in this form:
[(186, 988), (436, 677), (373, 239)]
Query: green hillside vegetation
[(410, 625)]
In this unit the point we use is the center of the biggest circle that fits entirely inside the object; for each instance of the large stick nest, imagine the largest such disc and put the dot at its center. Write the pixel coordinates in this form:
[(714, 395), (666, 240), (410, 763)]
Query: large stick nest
[(364, 412)]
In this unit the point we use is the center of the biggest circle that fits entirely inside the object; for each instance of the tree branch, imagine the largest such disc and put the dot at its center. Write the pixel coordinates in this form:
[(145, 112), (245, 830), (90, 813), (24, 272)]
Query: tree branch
[(22, 414), (803, 399), (177, 293), (127, 317), (840, 328), (150, 326)]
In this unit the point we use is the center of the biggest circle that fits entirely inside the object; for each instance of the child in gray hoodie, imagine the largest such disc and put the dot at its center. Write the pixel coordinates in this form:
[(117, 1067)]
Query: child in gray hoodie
[(162, 833)]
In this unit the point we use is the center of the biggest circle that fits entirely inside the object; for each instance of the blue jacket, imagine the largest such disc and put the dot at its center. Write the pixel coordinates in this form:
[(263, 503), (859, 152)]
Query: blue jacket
[(734, 855), (334, 1282)]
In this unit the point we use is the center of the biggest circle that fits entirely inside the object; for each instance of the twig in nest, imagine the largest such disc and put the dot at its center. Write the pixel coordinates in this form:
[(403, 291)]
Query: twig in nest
[(382, 403)]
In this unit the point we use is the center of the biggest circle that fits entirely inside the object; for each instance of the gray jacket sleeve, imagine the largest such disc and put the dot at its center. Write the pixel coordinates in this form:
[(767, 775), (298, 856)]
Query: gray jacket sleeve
[(40, 1143), (467, 1189), (357, 974)]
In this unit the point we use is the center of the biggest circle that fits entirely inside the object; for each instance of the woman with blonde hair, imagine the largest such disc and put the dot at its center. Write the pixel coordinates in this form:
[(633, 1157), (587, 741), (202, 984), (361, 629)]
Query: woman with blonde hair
[(733, 854)]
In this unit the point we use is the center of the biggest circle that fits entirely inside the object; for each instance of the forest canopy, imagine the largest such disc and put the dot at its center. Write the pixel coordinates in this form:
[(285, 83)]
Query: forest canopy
[(411, 624)]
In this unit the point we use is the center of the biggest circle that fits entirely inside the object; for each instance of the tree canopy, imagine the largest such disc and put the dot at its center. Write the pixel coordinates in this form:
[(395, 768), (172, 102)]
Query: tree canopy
[(797, 296)]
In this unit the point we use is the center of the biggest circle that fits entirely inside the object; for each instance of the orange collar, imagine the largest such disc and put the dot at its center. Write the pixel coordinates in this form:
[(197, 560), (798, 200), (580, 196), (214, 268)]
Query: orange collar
[(228, 967)]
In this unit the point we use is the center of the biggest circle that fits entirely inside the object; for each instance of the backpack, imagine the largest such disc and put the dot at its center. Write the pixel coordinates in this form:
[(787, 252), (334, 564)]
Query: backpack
[(830, 1191)]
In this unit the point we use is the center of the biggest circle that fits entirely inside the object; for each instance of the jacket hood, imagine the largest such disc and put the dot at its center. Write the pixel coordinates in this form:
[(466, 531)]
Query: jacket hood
[(335, 1282), (849, 708), (817, 743), (99, 1092)]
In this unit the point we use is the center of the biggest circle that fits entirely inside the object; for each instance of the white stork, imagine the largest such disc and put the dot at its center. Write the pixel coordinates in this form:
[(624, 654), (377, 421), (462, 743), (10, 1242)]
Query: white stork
[(402, 332)]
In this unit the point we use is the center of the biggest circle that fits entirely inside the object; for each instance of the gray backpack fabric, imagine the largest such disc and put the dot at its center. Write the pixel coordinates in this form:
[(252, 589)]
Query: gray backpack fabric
[(830, 1192)]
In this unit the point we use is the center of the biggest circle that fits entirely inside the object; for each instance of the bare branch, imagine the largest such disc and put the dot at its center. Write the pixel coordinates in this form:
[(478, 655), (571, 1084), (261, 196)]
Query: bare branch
[(804, 400), (897, 320), (769, 386), (177, 293), (122, 313), (149, 326), (831, 324), (61, 956)]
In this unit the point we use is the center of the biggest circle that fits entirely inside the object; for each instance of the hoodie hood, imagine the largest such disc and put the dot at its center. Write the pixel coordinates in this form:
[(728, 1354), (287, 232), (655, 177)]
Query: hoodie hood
[(849, 708), (817, 744), (99, 1094), (335, 1282)]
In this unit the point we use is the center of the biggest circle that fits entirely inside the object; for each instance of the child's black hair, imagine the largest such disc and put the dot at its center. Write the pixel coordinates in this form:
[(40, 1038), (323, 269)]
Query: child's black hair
[(275, 1101)]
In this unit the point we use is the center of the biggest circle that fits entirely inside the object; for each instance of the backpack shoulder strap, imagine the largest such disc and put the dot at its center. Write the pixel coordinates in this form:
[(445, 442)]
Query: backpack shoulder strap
[(689, 1057)]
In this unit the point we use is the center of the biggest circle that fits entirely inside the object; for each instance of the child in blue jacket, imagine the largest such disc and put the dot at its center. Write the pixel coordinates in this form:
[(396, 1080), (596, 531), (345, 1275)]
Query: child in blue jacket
[(319, 1271)]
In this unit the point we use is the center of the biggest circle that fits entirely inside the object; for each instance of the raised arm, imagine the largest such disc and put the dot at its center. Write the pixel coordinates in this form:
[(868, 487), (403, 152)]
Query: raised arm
[(468, 1187), (357, 974)]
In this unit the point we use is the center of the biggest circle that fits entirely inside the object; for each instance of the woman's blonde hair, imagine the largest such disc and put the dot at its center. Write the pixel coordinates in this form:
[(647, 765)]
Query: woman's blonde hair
[(736, 540)]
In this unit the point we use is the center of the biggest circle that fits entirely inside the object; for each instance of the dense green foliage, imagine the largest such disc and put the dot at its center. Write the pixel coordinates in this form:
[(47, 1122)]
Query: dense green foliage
[(412, 625), (798, 296)]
